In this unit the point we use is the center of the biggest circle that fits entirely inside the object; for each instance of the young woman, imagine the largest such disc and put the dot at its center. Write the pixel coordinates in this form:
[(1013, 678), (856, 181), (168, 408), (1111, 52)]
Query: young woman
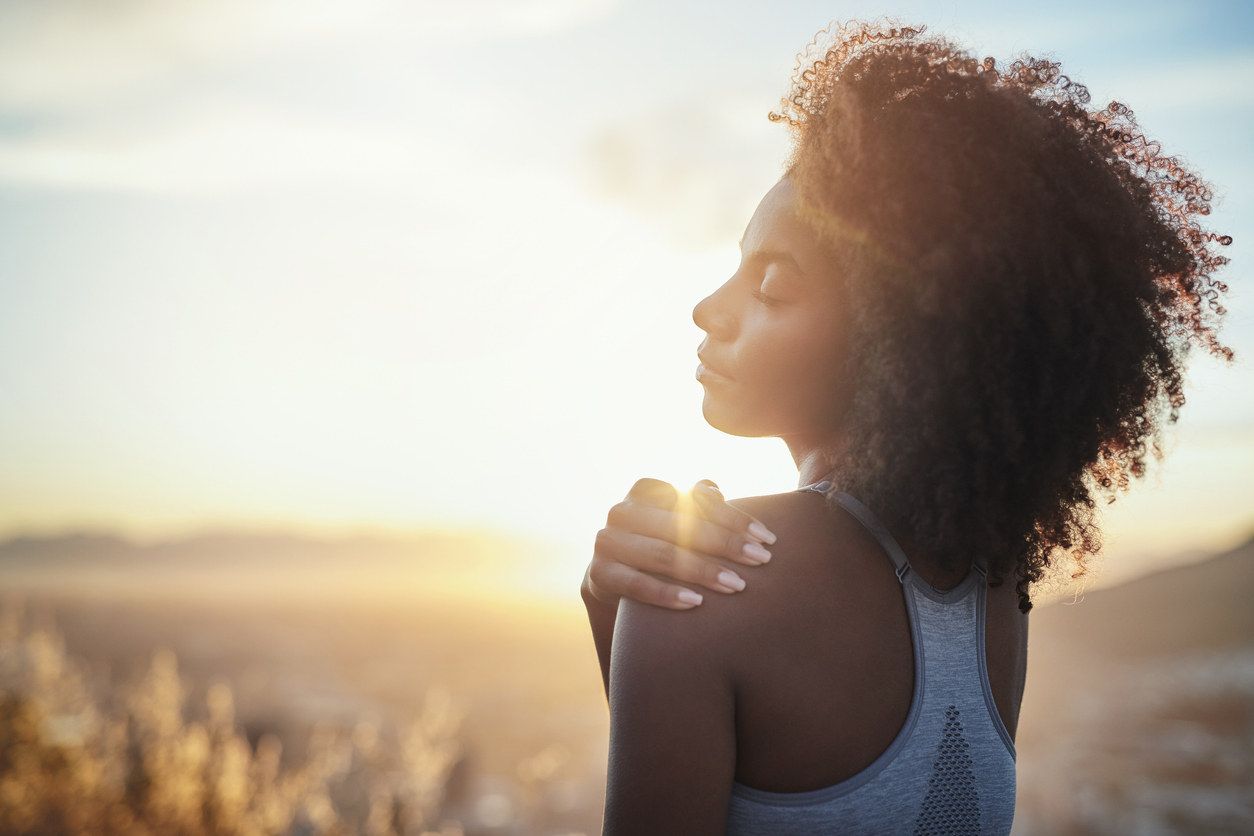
[(965, 309)]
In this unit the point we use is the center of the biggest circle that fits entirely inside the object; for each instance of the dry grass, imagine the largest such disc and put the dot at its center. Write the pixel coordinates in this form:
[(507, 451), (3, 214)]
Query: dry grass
[(76, 762)]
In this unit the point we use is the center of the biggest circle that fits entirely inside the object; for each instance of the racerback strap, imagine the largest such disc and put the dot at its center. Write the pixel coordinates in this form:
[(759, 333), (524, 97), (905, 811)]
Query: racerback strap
[(870, 522), (878, 530)]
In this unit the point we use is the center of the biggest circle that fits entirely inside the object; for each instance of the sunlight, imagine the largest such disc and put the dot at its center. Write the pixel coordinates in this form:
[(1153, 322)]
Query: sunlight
[(337, 274), (330, 333)]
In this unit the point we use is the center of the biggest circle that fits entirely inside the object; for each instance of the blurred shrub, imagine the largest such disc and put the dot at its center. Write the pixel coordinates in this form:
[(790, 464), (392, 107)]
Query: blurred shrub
[(72, 762)]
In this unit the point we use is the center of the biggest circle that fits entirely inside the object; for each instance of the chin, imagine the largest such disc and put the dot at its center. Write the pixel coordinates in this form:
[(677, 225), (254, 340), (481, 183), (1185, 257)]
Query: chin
[(731, 421)]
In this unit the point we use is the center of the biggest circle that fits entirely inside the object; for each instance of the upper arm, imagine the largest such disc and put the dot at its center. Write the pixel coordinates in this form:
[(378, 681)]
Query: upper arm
[(672, 723)]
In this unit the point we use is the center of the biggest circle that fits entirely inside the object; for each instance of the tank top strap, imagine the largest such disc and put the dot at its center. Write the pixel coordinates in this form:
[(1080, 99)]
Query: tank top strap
[(871, 523)]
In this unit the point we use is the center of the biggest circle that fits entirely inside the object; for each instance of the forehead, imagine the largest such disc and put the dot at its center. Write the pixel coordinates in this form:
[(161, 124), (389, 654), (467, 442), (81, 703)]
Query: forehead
[(777, 222), (777, 226)]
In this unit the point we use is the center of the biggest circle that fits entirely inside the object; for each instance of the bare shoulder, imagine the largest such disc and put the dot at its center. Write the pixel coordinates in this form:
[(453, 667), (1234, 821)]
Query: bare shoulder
[(818, 633), (823, 563), (821, 552), (793, 517)]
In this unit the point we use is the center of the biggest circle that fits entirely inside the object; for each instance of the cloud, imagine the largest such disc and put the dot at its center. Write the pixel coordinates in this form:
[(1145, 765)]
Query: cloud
[(183, 96), (489, 19), (215, 149), (696, 170), (55, 53)]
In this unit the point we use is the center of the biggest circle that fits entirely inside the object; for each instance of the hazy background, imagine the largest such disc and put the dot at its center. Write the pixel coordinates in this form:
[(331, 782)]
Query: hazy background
[(383, 264), (329, 332)]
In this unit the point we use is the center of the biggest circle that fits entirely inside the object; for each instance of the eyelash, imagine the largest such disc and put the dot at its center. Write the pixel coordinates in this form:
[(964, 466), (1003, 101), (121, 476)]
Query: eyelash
[(764, 299)]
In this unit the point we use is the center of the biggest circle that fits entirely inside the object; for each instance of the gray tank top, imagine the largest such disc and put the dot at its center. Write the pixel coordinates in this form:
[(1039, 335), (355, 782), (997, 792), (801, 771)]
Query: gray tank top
[(951, 769)]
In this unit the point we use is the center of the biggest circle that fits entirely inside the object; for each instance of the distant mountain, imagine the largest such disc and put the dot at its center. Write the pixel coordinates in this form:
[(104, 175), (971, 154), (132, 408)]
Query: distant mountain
[(1203, 606), (276, 562), (273, 549)]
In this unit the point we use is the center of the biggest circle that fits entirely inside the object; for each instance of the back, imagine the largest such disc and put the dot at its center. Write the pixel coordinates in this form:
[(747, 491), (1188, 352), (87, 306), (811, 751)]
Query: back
[(950, 767), (737, 716)]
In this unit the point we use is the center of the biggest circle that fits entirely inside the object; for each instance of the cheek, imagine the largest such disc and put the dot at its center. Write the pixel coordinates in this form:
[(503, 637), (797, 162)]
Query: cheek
[(786, 371), (777, 370), (791, 357)]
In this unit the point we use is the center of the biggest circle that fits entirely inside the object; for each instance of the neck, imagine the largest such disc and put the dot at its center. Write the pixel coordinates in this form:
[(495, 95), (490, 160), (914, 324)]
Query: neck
[(814, 457)]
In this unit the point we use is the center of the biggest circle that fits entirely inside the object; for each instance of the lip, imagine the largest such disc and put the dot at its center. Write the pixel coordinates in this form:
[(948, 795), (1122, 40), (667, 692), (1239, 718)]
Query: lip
[(706, 374)]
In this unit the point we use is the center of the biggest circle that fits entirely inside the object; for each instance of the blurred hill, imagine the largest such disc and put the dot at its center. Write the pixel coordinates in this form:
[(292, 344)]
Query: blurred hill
[(1208, 605), (279, 564)]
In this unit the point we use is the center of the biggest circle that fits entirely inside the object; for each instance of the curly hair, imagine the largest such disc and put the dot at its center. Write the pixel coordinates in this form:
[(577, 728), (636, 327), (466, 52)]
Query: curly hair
[(1024, 275)]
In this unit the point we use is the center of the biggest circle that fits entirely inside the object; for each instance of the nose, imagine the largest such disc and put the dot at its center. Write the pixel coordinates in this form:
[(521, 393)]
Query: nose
[(712, 317)]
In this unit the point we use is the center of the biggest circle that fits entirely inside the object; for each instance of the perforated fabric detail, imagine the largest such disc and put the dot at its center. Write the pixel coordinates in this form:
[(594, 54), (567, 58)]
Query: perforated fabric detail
[(952, 805)]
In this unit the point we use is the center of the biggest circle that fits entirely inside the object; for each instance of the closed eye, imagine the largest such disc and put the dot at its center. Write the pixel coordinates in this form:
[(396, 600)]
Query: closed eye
[(764, 299)]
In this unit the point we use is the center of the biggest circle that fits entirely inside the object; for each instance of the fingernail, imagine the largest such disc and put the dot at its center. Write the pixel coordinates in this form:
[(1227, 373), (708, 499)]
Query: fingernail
[(756, 553), (689, 597), (731, 580), (761, 532)]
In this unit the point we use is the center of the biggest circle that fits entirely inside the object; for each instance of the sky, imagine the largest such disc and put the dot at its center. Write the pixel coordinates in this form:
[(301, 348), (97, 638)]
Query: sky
[(386, 265)]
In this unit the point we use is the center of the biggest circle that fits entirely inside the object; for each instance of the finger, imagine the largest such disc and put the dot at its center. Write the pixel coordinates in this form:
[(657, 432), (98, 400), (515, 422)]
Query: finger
[(654, 492), (717, 511), (610, 581), (688, 532), (649, 554)]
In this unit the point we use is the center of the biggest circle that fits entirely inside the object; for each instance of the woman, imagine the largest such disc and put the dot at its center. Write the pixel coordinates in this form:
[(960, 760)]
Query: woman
[(965, 309)]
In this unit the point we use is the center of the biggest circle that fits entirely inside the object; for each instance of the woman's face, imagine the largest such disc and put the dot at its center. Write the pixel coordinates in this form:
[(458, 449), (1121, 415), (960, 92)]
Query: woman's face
[(773, 355)]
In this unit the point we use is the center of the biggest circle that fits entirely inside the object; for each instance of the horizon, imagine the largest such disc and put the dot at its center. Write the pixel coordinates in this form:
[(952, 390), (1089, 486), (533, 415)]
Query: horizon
[(476, 564)]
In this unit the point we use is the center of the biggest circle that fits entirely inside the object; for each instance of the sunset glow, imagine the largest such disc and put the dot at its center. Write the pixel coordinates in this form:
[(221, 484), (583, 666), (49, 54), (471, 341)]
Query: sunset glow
[(402, 266)]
